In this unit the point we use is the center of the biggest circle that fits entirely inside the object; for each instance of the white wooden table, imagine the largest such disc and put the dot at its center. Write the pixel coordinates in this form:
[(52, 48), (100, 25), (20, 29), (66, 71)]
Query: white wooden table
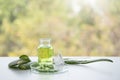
[(93, 71)]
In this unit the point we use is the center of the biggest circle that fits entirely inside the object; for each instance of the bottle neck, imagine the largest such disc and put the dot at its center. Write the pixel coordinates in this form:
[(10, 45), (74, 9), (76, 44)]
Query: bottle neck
[(45, 42)]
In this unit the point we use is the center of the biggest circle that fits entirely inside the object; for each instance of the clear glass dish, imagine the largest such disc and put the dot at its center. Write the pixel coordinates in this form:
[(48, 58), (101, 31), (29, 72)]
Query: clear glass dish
[(36, 68)]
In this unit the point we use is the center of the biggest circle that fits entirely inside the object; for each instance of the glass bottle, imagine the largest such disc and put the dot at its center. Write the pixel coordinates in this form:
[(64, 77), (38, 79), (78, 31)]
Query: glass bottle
[(45, 51)]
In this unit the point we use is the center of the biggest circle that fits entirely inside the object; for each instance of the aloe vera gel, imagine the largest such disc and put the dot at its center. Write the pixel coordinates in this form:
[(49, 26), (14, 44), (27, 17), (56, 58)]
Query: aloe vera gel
[(45, 54)]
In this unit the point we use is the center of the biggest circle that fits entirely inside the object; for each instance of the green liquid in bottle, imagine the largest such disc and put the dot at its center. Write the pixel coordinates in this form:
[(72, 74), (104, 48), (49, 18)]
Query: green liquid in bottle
[(45, 54)]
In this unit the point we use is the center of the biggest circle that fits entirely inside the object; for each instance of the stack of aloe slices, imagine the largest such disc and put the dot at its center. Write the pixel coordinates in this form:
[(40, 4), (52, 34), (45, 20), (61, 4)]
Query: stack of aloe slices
[(23, 63)]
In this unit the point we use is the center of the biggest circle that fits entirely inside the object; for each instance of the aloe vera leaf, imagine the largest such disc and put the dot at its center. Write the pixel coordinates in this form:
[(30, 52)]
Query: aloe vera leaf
[(25, 57), (68, 61), (13, 64), (24, 66)]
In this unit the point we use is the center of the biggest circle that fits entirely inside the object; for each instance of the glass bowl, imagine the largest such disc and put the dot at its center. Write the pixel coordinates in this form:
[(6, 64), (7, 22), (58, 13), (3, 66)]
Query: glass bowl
[(37, 68)]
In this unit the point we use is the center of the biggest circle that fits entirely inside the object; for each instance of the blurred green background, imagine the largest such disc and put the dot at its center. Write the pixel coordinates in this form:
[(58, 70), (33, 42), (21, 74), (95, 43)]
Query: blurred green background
[(77, 27)]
